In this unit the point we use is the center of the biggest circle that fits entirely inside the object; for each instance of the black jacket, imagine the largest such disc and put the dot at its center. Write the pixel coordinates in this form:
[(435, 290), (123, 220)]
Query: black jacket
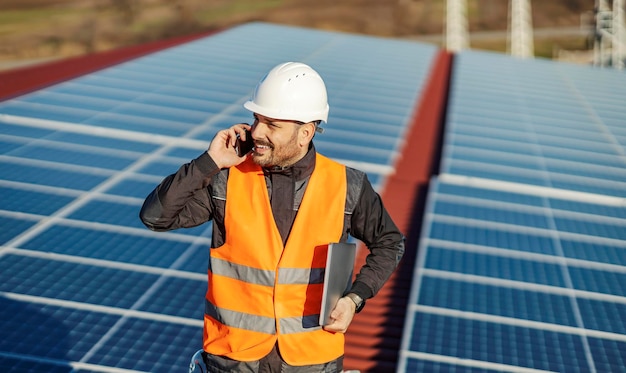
[(196, 193)]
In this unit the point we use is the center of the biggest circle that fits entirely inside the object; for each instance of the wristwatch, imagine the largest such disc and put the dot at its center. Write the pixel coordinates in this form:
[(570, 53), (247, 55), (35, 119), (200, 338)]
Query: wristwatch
[(358, 301)]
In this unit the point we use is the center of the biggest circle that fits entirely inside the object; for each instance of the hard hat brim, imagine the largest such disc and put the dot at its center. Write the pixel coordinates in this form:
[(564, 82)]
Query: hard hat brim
[(285, 115)]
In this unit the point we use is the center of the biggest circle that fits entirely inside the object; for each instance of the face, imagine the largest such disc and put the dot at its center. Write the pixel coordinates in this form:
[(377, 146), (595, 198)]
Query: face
[(277, 142)]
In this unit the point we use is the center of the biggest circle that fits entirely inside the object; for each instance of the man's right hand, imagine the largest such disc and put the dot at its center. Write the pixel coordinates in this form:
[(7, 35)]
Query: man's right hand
[(222, 148)]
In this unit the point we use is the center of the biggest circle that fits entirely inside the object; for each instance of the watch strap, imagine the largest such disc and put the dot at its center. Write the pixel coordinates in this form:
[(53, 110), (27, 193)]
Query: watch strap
[(358, 301)]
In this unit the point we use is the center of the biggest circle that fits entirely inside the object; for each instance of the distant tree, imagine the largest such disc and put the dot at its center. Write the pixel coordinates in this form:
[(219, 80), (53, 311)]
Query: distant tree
[(415, 17), (183, 11), (86, 35), (576, 5), (184, 19), (129, 9)]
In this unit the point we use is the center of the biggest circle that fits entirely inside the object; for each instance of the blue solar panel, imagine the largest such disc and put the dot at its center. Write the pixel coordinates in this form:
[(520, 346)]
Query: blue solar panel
[(12, 227), (26, 366), (37, 173), (595, 252), (45, 331), (114, 145), (491, 213), (132, 188), (522, 259), (603, 315), (84, 286), (502, 267), (495, 300), (110, 245), (32, 202), (496, 236), (73, 282), (610, 355), (82, 157), (179, 297), (540, 123), (417, 365), (497, 344), (148, 346), (108, 212)]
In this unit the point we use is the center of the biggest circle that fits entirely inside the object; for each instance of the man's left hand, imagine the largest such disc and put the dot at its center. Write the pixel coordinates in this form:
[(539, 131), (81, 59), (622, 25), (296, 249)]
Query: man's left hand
[(341, 316)]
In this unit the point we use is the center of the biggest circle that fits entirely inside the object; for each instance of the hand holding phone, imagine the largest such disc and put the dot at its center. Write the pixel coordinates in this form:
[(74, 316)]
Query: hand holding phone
[(244, 147)]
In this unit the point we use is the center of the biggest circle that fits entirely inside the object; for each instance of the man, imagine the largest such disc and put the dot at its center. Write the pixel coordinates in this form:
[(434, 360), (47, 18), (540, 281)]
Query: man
[(274, 212)]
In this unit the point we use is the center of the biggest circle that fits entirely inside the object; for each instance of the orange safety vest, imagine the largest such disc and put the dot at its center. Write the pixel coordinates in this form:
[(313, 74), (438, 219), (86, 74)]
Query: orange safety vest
[(261, 292)]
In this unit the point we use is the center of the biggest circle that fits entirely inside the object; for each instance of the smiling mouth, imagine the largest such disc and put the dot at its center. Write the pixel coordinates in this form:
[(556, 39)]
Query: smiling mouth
[(261, 148)]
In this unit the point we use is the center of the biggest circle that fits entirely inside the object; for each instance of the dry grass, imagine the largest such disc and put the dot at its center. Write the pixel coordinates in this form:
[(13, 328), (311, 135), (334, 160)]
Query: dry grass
[(39, 29)]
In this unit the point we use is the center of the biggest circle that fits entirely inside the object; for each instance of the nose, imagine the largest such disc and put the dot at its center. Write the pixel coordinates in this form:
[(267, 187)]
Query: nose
[(257, 130)]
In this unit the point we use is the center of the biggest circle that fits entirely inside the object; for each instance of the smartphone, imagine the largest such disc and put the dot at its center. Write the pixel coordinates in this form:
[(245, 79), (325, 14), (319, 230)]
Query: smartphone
[(244, 147)]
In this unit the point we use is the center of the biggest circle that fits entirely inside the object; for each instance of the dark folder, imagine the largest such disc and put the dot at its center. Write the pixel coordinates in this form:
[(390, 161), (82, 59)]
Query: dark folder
[(337, 277)]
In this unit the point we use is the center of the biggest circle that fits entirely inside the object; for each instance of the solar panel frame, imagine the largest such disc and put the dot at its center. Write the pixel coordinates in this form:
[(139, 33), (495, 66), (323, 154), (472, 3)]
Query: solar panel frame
[(93, 289), (521, 257)]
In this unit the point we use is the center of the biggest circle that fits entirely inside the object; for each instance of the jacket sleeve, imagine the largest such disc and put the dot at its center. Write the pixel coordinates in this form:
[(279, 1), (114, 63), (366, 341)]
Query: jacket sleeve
[(372, 224), (182, 200)]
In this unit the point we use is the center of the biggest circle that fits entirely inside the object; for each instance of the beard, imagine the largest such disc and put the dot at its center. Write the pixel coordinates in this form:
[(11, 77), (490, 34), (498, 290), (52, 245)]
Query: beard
[(281, 155)]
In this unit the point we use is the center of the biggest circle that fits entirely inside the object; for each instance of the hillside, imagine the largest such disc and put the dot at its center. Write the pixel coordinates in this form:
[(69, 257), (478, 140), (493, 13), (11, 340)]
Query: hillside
[(35, 30)]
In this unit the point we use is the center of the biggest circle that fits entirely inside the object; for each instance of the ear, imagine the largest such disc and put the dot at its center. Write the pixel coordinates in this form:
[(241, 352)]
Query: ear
[(306, 133)]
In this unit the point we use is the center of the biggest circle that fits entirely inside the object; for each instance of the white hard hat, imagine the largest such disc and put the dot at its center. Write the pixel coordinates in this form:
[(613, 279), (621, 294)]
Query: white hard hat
[(291, 91)]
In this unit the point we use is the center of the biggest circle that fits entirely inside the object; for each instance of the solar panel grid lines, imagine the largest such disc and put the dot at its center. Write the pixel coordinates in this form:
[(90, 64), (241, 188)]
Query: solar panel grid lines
[(192, 144), (524, 285), (120, 321), (580, 170), (145, 298), (604, 130), (111, 227), (528, 256), (68, 209), (124, 312), (524, 189), (585, 161), (525, 221), (97, 131), (567, 180), (611, 236), (620, 269), (570, 284), (422, 273), (534, 109), (477, 316), (103, 263), (43, 145), (82, 278), (425, 362), (35, 364), (562, 214)]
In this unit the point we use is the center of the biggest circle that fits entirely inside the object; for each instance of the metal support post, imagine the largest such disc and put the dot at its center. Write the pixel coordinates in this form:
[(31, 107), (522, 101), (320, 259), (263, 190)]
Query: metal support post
[(457, 37), (521, 43)]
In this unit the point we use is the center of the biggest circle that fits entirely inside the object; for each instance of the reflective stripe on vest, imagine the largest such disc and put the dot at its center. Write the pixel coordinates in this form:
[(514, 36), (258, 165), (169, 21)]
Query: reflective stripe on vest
[(261, 293), (267, 277), (288, 325)]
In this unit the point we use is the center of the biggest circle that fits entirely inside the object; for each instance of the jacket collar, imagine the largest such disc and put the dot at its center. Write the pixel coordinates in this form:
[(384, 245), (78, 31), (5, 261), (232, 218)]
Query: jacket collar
[(300, 170)]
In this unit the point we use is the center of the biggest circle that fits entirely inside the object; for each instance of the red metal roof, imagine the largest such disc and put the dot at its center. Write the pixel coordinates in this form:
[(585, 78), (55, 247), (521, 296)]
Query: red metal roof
[(19, 81), (374, 337)]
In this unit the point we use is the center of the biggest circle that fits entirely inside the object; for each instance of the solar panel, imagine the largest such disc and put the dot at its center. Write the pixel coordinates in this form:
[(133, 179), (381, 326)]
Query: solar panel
[(522, 258), (84, 286)]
